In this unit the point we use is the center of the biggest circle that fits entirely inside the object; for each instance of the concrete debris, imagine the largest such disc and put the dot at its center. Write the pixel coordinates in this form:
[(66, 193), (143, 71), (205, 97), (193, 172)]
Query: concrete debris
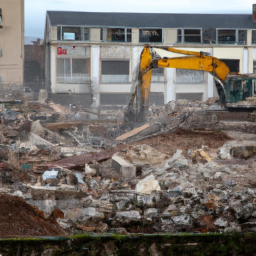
[(190, 168), (148, 185), (50, 174)]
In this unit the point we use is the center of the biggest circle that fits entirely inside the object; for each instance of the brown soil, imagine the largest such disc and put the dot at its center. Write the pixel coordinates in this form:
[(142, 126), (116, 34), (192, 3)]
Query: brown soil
[(183, 139), (20, 219)]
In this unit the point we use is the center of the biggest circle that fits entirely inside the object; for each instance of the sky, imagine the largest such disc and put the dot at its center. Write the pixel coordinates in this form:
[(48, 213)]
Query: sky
[(35, 10)]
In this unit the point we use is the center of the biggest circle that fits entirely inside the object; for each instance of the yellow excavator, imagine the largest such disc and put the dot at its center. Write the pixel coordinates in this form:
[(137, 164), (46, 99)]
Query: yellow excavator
[(150, 59)]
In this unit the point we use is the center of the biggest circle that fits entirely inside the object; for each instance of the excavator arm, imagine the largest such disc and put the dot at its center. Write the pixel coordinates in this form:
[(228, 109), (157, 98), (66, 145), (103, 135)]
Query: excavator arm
[(192, 60)]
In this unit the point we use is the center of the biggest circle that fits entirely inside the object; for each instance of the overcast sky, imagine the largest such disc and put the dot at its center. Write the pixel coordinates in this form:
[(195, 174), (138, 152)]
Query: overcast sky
[(35, 10)]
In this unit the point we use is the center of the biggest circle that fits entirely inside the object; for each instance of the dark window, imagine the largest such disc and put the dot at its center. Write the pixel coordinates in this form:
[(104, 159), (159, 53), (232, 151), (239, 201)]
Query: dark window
[(179, 39), (114, 71), (192, 35), (71, 33), (86, 34), (189, 96), (101, 34), (232, 64), (242, 36), (73, 70), (226, 36), (254, 37), (116, 35), (209, 35), (254, 68), (129, 35), (150, 35)]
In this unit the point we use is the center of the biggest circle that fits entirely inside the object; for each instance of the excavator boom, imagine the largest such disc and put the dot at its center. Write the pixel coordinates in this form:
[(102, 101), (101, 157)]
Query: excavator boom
[(193, 60)]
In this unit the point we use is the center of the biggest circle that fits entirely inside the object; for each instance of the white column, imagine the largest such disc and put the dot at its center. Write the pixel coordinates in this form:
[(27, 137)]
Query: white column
[(53, 82), (95, 73), (245, 61), (170, 86)]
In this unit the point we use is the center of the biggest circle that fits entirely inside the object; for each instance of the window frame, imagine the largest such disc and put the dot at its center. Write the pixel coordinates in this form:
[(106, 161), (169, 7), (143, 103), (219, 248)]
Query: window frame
[(60, 30), (217, 33), (125, 34), (236, 35), (183, 35), (146, 28), (127, 60), (255, 35), (70, 58)]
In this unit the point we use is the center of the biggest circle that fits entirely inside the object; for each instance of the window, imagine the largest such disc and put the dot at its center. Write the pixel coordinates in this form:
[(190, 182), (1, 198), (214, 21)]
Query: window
[(254, 37), (242, 37), (71, 70), (192, 35), (226, 36), (179, 36), (157, 75), (115, 71), (189, 96), (254, 67), (86, 34), (187, 76), (150, 36), (71, 33), (209, 35), (233, 64), (119, 35)]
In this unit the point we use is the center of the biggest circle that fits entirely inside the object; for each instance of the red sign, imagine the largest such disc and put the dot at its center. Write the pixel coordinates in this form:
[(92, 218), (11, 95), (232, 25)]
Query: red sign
[(61, 51)]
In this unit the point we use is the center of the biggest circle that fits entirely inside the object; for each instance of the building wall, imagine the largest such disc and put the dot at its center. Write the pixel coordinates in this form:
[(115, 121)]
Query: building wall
[(12, 42), (165, 91)]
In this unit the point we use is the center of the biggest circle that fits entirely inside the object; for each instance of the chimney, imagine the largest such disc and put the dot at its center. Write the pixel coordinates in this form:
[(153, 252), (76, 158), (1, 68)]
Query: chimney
[(254, 12)]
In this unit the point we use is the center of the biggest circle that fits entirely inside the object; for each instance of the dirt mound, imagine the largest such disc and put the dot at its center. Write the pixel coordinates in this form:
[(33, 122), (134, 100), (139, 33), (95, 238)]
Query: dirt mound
[(183, 139), (20, 219)]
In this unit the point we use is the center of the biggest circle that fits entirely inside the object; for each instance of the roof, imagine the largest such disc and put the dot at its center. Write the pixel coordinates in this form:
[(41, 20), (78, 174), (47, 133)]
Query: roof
[(154, 20)]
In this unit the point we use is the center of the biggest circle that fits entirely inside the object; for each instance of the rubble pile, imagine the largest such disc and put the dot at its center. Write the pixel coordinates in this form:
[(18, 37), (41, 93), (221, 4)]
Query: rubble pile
[(103, 176)]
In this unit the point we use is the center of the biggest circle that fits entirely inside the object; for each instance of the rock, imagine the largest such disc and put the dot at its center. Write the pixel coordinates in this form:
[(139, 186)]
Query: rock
[(80, 214), (200, 156), (181, 219), (90, 226), (129, 214), (151, 212), (221, 222), (50, 174), (79, 177), (89, 171), (148, 185), (177, 155), (243, 152), (224, 153), (52, 182), (71, 179)]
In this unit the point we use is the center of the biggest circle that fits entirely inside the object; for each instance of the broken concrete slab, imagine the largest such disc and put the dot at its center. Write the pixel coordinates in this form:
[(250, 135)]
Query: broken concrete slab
[(123, 167), (148, 185)]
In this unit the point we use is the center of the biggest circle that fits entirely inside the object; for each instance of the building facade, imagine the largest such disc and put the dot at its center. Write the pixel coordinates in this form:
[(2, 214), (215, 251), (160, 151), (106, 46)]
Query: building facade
[(98, 53), (11, 46)]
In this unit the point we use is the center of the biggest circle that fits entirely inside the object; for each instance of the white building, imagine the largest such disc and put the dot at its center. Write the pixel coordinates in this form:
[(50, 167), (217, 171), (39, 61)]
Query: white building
[(96, 54)]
